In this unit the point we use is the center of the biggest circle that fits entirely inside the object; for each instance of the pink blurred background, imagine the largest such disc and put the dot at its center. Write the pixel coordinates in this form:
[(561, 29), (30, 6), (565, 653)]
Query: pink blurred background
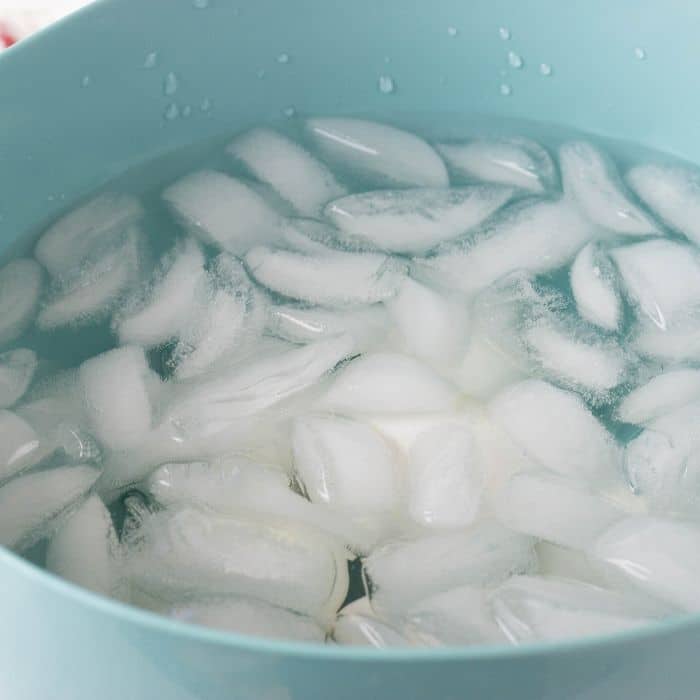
[(19, 18)]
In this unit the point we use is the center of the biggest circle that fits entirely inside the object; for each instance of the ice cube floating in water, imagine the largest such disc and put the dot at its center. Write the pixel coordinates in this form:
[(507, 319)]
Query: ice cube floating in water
[(462, 376)]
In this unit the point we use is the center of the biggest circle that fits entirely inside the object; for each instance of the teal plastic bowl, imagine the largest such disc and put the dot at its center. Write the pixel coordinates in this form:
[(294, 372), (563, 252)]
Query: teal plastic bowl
[(59, 139)]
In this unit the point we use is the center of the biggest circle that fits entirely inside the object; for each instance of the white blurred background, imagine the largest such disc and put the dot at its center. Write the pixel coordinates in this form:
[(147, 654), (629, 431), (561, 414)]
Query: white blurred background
[(19, 18)]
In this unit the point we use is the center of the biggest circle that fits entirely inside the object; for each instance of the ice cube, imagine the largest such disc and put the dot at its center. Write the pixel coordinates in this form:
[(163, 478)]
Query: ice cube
[(222, 485), (657, 469), (486, 367), (678, 342), (660, 556), (445, 480), (430, 325), (232, 408), (402, 573), (457, 617), (535, 237), (185, 551), (294, 173), (592, 182), (161, 311), (298, 324), (515, 162), (57, 415), (251, 617), (223, 211), (310, 237), (84, 547), (529, 608), (17, 369), (72, 239), (19, 445), (385, 382), (556, 429), (236, 485), (244, 390), (573, 564), (661, 394), (661, 277), (21, 282), (402, 430), (663, 462), (355, 627), (415, 220), (96, 287), (381, 154), (672, 192), (116, 387), (227, 323), (593, 286), (345, 464), (556, 509), (496, 454), (577, 363), (337, 279), (30, 504)]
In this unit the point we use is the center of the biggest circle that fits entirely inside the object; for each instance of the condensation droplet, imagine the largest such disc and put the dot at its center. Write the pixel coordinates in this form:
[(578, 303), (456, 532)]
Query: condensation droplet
[(515, 60), (387, 59), (640, 53), (172, 111), (506, 89), (205, 106), (452, 31), (200, 4), (283, 58), (151, 60), (289, 112), (504, 33), (170, 84), (386, 84), (187, 111), (85, 82), (545, 69), (261, 73)]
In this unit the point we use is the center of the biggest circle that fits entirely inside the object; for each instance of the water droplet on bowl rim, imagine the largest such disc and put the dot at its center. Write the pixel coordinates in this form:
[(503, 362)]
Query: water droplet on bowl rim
[(545, 69), (151, 60), (640, 53), (85, 82), (386, 84), (515, 59), (283, 58), (506, 89), (172, 111), (170, 84), (289, 112), (452, 31), (504, 33)]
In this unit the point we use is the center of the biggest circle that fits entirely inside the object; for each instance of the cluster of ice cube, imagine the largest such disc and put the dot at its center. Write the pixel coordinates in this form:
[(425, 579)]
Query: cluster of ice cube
[(462, 377)]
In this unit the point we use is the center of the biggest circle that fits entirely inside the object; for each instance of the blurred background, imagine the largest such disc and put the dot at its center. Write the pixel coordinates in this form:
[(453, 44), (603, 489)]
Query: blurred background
[(19, 18)]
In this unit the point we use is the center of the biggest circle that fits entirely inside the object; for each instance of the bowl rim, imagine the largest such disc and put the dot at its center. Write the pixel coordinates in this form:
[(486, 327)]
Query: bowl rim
[(309, 651)]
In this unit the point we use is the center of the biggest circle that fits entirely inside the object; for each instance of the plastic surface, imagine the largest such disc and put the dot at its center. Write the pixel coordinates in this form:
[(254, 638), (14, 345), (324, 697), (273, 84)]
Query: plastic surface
[(59, 139)]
